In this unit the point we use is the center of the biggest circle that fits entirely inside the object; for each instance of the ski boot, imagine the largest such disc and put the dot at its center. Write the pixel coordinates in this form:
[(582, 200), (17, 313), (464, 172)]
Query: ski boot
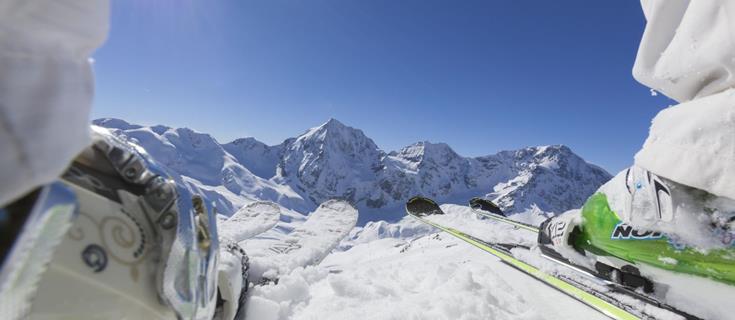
[(640, 218), (116, 238)]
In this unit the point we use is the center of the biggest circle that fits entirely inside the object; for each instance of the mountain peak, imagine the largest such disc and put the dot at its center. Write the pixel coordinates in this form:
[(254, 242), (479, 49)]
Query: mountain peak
[(556, 148), (333, 123), (160, 129), (329, 160), (435, 146), (334, 130), (115, 123), (423, 149), (244, 141)]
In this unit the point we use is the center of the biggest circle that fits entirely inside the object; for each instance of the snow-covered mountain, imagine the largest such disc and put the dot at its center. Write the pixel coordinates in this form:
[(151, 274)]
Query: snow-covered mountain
[(218, 172), (331, 161), (337, 161)]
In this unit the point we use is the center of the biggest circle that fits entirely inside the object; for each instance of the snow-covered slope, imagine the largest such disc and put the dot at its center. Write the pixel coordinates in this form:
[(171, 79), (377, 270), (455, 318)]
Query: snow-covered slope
[(336, 161), (331, 161), (258, 157), (406, 270), (413, 272), (435, 278), (206, 167), (551, 178)]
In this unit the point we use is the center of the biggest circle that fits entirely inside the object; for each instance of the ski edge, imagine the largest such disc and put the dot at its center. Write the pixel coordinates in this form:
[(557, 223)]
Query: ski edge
[(517, 224), (501, 218)]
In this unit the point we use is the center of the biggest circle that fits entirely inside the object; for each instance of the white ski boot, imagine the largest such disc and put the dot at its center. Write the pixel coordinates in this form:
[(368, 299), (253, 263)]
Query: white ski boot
[(117, 238)]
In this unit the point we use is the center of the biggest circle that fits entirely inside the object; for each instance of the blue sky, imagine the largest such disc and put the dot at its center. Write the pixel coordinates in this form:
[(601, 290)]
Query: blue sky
[(482, 76)]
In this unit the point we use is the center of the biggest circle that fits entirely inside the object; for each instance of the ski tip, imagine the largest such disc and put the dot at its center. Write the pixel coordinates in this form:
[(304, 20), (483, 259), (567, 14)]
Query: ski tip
[(421, 206), (477, 203), (337, 204), (261, 206)]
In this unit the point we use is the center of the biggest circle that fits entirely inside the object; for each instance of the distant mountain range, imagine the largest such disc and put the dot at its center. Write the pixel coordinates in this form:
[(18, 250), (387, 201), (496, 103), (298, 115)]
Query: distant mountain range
[(337, 161)]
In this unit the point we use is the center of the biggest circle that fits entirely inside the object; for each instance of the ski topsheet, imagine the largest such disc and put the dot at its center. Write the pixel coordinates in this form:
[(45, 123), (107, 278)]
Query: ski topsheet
[(422, 208), (250, 221), (488, 209), (308, 244)]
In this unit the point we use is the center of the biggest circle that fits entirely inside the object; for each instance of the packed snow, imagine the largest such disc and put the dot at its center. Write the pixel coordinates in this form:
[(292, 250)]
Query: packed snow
[(408, 270), (424, 275)]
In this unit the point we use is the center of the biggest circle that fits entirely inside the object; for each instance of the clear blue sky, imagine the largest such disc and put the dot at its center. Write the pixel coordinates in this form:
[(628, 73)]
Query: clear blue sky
[(482, 76)]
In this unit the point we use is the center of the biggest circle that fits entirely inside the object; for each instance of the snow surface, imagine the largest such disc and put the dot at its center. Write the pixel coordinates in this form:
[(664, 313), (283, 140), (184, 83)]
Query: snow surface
[(408, 271)]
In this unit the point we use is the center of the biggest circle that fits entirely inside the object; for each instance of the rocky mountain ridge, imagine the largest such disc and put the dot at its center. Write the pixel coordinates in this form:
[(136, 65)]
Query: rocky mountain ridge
[(337, 161)]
